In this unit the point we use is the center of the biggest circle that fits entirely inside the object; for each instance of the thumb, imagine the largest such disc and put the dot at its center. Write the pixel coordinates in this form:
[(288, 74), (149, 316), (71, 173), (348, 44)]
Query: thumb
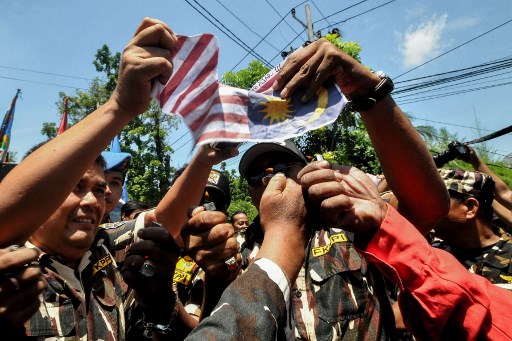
[(276, 185)]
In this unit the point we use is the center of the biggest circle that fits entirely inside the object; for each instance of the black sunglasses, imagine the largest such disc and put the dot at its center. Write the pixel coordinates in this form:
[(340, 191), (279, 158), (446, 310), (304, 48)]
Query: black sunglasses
[(264, 177)]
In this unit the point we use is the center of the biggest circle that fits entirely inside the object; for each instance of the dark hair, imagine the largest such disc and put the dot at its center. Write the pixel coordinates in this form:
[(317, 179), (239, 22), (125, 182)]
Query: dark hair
[(235, 213), (132, 205), (178, 173), (100, 160), (485, 199), (35, 147)]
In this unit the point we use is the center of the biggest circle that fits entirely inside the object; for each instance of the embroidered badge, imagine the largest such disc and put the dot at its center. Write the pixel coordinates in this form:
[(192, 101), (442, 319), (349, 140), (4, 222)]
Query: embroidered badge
[(184, 270), (105, 261), (322, 250)]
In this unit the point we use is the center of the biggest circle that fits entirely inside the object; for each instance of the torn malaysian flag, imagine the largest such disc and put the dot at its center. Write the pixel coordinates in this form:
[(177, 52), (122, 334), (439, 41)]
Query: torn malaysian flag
[(217, 112)]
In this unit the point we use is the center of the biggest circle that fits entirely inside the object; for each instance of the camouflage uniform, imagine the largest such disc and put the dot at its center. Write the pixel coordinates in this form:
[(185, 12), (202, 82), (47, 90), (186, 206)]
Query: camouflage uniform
[(66, 311), (493, 262), (338, 295)]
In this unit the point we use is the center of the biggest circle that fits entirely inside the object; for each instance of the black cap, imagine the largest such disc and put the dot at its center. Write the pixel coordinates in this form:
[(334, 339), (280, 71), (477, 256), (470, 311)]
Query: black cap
[(285, 147), (219, 182)]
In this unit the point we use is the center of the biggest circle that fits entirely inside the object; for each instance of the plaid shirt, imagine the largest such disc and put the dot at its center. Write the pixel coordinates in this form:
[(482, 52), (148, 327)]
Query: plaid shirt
[(338, 295), (86, 303)]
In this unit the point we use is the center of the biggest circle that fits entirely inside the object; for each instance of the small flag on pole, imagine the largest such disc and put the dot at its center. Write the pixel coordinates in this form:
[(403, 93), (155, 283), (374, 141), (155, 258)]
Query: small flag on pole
[(217, 112), (64, 120), (115, 147), (5, 130)]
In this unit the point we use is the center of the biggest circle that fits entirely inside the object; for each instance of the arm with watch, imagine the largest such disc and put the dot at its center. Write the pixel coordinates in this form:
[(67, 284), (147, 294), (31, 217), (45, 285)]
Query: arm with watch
[(404, 157)]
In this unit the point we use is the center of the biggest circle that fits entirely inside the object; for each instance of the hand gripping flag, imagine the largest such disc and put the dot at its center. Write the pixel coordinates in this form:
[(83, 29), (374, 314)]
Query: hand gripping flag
[(217, 112)]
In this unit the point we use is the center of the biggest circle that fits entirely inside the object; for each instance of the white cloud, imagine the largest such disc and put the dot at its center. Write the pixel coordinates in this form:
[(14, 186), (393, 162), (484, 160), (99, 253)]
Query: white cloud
[(414, 11), (463, 23), (423, 42)]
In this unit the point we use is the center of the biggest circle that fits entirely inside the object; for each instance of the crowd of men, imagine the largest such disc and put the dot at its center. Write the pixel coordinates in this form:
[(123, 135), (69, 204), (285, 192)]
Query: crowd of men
[(323, 259)]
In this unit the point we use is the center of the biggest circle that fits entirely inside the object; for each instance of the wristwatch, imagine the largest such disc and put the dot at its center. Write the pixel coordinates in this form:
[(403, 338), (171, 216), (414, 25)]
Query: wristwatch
[(382, 89)]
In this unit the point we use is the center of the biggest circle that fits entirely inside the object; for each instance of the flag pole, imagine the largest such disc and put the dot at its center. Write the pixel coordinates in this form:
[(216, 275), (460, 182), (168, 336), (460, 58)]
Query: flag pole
[(64, 120), (5, 130)]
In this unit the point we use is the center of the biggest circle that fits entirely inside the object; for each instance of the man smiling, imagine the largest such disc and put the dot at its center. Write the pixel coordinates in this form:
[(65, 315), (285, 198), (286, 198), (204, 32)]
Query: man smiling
[(70, 231)]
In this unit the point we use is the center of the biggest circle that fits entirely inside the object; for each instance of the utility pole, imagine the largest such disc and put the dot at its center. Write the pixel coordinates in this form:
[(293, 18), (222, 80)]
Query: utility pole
[(308, 25)]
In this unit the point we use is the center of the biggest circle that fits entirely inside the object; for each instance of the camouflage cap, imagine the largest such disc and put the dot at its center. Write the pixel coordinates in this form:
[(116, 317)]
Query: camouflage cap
[(474, 183)]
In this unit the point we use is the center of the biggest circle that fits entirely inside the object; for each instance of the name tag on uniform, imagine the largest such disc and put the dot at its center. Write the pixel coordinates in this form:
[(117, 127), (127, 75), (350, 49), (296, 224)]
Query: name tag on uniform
[(105, 261), (322, 250), (184, 270)]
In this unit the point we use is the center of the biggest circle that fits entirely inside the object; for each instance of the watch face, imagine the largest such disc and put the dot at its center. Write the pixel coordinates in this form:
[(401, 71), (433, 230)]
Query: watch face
[(362, 104)]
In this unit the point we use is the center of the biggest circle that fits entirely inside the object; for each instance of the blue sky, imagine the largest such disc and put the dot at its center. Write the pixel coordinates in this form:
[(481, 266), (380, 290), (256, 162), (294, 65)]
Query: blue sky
[(61, 37)]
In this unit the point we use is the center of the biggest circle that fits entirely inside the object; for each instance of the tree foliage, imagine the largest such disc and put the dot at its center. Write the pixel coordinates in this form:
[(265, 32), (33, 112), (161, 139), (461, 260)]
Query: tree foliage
[(246, 78)]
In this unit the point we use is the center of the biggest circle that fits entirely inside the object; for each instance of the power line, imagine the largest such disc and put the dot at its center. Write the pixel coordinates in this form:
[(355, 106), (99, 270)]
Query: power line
[(246, 26), (262, 39), (421, 99), (456, 47), (44, 73), (239, 42), (453, 71), (43, 83), (457, 86), (340, 11), (179, 138), (323, 16), (358, 15), (455, 76), (286, 22)]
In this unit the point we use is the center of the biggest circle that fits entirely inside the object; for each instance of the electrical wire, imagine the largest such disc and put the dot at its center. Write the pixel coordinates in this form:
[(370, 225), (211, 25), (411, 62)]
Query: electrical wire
[(323, 16), (340, 11), (179, 138), (43, 83), (44, 73), (231, 35), (455, 48), (246, 26), (262, 39), (275, 10), (447, 94), (358, 15)]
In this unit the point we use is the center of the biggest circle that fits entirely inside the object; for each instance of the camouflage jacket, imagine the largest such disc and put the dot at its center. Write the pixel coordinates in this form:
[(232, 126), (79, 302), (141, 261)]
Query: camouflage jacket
[(86, 303), (252, 307), (338, 295), (493, 262)]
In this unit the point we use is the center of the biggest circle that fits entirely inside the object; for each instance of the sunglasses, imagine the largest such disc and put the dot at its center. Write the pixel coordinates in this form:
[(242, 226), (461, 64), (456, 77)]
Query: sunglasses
[(264, 177)]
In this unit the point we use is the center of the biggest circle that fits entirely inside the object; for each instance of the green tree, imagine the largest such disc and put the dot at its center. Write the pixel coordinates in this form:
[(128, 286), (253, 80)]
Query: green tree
[(49, 130), (240, 198), (246, 78), (145, 137)]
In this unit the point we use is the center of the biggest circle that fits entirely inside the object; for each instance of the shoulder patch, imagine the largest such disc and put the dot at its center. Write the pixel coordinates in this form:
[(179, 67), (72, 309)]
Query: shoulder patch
[(115, 225)]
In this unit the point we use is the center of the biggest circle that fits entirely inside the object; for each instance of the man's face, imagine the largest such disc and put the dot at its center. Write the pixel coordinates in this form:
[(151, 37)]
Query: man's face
[(70, 231), (452, 225), (114, 190), (240, 221), (263, 164)]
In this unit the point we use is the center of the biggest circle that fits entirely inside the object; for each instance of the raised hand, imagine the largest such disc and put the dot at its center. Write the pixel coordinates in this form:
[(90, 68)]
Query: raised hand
[(20, 285), (159, 249), (146, 58), (344, 196), (210, 241), (318, 62)]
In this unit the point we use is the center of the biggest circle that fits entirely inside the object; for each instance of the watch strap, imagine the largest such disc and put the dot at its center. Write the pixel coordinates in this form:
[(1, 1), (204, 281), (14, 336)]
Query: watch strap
[(384, 88)]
